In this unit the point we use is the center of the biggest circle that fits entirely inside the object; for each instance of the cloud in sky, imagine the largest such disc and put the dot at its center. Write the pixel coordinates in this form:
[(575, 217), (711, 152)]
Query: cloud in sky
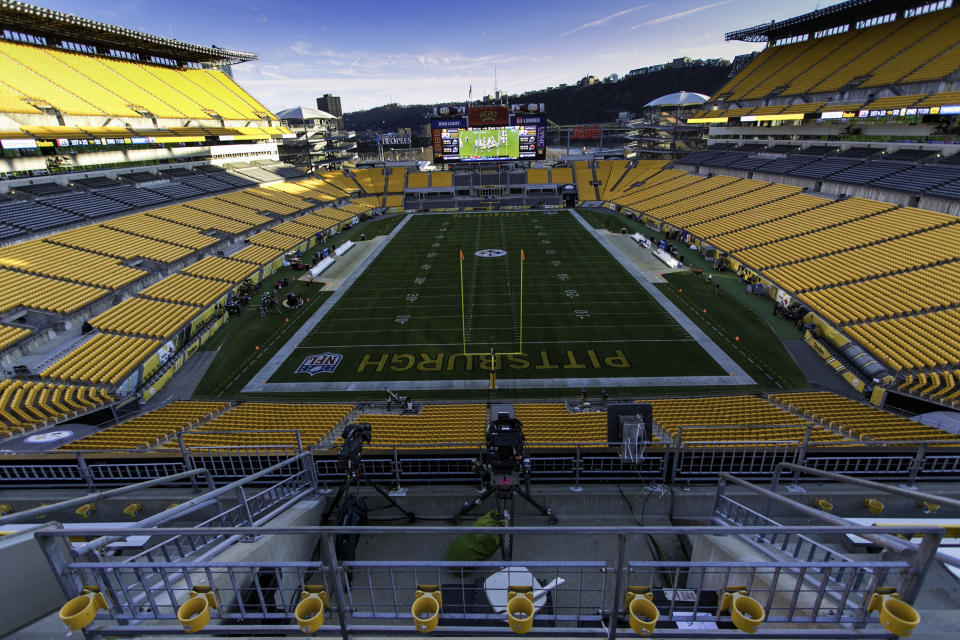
[(605, 19), (680, 14)]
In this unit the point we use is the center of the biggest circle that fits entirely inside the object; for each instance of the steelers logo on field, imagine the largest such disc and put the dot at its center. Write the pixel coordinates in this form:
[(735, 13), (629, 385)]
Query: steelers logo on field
[(490, 253), (49, 436)]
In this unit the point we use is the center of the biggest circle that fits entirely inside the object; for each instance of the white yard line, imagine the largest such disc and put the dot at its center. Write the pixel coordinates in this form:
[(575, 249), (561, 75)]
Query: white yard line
[(284, 352), (737, 375)]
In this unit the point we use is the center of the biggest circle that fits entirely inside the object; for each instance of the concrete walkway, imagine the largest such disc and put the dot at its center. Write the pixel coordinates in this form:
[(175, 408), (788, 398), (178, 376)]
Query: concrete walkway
[(619, 253), (286, 350)]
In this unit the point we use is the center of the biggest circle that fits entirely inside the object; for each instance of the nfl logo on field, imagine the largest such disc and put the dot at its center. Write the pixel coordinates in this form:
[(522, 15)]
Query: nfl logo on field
[(323, 363)]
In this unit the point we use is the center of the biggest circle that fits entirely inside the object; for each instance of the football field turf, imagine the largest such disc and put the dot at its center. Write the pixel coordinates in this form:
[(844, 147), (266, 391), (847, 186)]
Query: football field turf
[(403, 322)]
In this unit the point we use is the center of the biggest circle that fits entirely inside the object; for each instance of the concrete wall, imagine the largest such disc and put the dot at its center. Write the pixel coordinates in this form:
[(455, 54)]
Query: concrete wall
[(27, 581)]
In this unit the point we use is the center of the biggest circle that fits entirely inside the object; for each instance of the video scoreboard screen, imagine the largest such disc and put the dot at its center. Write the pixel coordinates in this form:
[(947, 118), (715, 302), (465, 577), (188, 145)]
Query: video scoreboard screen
[(523, 138)]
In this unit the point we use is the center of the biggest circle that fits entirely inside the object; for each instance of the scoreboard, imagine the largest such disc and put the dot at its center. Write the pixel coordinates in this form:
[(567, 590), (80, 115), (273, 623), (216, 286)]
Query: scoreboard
[(523, 137)]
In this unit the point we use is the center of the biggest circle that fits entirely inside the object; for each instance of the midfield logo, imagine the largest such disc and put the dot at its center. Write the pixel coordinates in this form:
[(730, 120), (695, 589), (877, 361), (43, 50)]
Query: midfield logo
[(322, 363)]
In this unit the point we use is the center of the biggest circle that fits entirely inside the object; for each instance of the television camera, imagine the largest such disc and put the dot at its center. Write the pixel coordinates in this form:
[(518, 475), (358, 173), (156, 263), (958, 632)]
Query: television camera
[(353, 438), (504, 471), (349, 459), (504, 442)]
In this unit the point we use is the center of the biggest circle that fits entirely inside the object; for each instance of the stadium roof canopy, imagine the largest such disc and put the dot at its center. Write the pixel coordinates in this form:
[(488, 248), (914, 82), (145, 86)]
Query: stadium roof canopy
[(679, 99), (844, 13), (304, 113), (55, 26)]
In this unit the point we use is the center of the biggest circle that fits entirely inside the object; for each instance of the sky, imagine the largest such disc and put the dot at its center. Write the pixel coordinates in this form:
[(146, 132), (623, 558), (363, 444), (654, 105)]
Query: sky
[(372, 52)]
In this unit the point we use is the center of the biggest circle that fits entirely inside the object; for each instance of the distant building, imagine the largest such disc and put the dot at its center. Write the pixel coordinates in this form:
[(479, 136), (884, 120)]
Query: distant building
[(587, 80), (661, 131), (317, 142), (331, 104), (680, 63)]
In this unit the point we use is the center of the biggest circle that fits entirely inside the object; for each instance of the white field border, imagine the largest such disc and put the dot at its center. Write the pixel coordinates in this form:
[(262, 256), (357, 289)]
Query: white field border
[(736, 377)]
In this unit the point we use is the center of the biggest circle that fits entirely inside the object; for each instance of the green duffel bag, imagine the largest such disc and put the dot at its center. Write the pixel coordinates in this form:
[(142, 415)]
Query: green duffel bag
[(475, 546)]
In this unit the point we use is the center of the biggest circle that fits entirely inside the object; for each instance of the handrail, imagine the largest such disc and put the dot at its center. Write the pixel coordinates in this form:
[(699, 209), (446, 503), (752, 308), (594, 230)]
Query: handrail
[(870, 484), (97, 496), (199, 501)]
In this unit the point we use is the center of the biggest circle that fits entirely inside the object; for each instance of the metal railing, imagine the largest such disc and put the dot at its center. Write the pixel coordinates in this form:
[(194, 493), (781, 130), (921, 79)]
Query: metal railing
[(561, 462), (803, 594)]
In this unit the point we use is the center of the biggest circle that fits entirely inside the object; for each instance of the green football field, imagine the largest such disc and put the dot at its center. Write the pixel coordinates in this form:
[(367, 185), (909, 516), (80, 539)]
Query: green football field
[(404, 320), (492, 143)]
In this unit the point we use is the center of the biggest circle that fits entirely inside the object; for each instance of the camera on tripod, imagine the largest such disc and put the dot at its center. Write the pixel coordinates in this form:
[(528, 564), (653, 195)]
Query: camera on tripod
[(505, 441), (353, 436)]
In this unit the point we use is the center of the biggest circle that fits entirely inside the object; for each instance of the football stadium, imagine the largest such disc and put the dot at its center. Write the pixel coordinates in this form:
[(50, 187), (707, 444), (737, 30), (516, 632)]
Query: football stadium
[(695, 394)]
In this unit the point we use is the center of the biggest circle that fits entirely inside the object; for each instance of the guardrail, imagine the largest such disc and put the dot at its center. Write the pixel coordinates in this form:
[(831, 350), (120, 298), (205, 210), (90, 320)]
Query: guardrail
[(800, 590), (453, 462)]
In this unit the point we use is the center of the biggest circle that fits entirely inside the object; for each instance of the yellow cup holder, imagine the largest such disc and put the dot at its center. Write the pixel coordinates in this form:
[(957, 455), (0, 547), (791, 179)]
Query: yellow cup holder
[(896, 616), (426, 608), (746, 613), (520, 611), (79, 612), (643, 613), (823, 504), (928, 507), (310, 610), (194, 614), (873, 505)]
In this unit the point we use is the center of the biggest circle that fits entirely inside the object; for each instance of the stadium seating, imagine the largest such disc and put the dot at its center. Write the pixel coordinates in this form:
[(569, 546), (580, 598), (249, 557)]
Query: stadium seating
[(441, 179), (755, 421), (266, 425), (919, 49), (639, 173), (397, 180), (857, 420), (225, 269), (274, 240), (583, 175), (370, 180), (537, 176), (27, 405), (922, 341), (88, 362), (561, 175), (187, 289), (86, 85), (255, 254), (149, 430), (342, 181), (45, 258), (418, 180), (144, 317), (295, 229), (554, 423), (194, 216), (608, 174), (888, 296), (10, 336), (148, 226), (110, 242), (37, 292), (884, 225), (461, 426)]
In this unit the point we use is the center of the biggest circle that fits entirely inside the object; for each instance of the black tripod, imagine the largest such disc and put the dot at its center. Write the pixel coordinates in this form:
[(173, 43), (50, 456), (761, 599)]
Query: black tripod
[(349, 457), (503, 484)]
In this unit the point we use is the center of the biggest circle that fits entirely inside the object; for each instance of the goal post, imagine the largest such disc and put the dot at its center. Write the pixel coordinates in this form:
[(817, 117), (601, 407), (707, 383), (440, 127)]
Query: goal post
[(463, 314)]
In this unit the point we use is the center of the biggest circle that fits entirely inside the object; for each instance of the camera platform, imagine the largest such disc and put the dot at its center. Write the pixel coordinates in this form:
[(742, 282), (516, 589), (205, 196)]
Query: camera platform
[(505, 473), (350, 458)]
